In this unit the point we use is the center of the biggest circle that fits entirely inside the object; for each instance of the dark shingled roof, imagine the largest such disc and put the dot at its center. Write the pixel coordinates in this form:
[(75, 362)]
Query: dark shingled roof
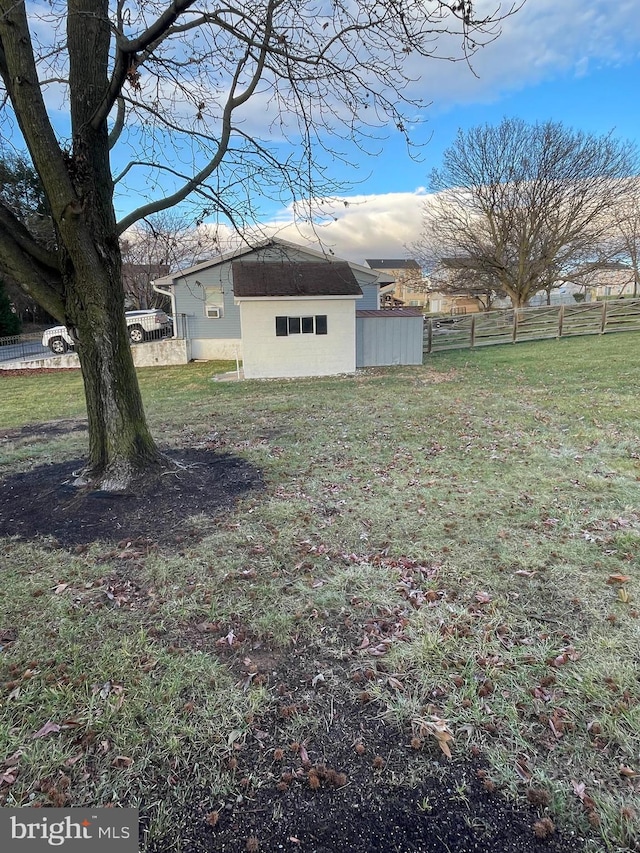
[(273, 278), (393, 264)]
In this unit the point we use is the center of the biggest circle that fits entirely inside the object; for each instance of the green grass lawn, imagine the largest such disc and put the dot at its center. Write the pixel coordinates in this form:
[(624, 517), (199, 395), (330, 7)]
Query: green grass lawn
[(461, 539)]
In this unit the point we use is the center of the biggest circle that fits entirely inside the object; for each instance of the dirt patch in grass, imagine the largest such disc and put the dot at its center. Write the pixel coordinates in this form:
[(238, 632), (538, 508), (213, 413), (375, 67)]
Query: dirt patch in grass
[(44, 503), (325, 773)]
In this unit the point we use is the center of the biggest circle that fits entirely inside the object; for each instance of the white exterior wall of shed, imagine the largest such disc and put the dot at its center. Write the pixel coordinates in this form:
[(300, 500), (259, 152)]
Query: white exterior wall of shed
[(267, 356)]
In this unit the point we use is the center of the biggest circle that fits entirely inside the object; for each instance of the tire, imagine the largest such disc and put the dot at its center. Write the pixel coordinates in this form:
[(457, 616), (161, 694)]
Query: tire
[(58, 346), (136, 334)]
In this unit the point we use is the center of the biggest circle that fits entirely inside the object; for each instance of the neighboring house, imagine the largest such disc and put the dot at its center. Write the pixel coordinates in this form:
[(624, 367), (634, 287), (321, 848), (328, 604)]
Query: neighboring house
[(613, 280), (408, 278), (440, 303), (286, 310)]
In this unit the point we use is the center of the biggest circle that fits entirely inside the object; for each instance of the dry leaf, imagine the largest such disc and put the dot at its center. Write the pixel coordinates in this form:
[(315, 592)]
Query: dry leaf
[(13, 758), (618, 579), (523, 770), (628, 772), (8, 776), (579, 789), (482, 597), (437, 728), (304, 756), (48, 729), (122, 761)]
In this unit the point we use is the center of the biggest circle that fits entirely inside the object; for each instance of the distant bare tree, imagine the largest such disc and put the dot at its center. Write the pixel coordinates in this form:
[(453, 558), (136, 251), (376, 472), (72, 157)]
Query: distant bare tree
[(155, 246), (627, 230), (521, 208)]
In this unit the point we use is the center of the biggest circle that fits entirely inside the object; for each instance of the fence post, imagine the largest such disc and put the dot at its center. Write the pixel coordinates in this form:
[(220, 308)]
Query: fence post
[(514, 333), (603, 320), (473, 330), (429, 334), (560, 320)]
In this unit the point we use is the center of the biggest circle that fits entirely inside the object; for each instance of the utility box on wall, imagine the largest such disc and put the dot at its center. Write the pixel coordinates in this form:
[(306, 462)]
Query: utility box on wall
[(388, 337)]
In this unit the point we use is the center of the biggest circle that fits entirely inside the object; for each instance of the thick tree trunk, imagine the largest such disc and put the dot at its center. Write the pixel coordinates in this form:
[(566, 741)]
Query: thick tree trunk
[(121, 449)]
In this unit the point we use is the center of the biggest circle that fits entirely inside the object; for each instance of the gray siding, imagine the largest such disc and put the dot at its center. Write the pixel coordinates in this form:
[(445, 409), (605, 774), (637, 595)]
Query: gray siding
[(190, 299), (370, 297), (384, 341)]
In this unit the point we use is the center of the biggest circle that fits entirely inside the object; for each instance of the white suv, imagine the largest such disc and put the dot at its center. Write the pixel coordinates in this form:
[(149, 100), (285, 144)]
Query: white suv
[(142, 326)]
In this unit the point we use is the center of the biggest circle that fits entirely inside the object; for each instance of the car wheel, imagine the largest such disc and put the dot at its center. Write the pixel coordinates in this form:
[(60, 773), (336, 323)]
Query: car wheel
[(58, 346), (136, 334)]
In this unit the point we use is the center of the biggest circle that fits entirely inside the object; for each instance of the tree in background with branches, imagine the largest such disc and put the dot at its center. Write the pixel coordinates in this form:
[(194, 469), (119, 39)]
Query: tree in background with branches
[(522, 208), (155, 246)]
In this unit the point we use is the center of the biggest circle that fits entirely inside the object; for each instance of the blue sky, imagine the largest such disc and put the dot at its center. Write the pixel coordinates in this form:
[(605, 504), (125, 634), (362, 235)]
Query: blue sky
[(575, 61), (602, 100)]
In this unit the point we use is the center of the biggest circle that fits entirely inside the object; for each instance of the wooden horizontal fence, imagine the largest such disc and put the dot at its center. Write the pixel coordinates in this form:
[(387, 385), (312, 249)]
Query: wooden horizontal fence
[(530, 324)]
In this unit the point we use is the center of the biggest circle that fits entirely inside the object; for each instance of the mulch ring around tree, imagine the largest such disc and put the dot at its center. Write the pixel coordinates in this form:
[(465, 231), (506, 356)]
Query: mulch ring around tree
[(43, 502)]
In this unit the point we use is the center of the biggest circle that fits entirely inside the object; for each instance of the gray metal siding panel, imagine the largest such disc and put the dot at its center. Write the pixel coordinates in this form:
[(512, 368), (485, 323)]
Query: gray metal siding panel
[(387, 341)]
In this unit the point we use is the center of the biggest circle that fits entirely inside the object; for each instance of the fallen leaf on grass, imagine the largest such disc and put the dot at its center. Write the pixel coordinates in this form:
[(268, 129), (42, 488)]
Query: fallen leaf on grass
[(13, 758), (122, 761), (523, 770), (628, 772), (60, 588), (566, 655), (579, 789), (9, 776), (228, 640), (207, 627), (613, 579), (304, 756), (49, 728), (482, 597), (437, 728)]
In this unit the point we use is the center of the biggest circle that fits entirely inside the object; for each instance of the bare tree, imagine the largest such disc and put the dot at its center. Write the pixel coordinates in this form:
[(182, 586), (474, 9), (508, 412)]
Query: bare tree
[(212, 105), (523, 208), (155, 246), (626, 230)]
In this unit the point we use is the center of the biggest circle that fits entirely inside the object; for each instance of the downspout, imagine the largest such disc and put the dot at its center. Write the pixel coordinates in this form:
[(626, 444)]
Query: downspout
[(172, 297)]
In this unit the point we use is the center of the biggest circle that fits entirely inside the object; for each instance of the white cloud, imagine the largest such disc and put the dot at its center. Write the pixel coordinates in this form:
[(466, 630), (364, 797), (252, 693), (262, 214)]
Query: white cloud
[(542, 39), (354, 228)]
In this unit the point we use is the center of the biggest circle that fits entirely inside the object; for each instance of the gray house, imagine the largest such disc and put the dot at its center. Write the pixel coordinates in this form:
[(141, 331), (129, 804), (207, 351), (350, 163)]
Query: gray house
[(208, 311)]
